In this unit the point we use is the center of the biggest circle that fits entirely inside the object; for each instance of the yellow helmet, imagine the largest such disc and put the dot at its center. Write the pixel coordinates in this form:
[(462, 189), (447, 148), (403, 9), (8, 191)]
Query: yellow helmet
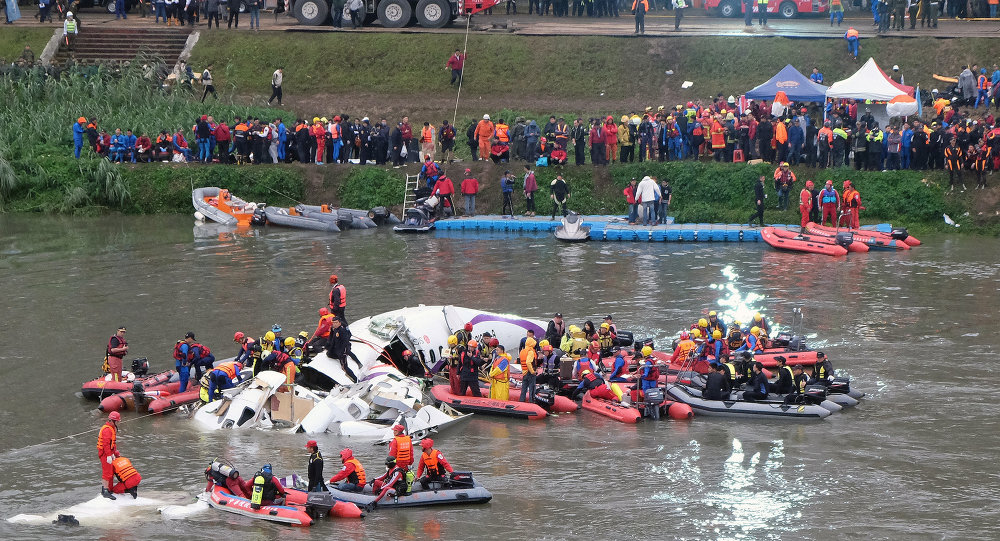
[(737, 324), (574, 328), (289, 342), (624, 118), (757, 317), (269, 336), (323, 120), (712, 314), (543, 343), (696, 333), (703, 322), (755, 331), (716, 334), (452, 340), (585, 372), (647, 351), (605, 326), (315, 119)]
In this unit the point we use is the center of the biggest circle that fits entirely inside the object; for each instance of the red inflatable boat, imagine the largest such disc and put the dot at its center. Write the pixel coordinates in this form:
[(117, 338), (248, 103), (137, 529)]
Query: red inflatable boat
[(875, 242), (611, 409), (97, 389), (125, 401), (562, 403), (295, 515), (173, 401), (340, 509), (897, 234), (488, 406), (783, 239)]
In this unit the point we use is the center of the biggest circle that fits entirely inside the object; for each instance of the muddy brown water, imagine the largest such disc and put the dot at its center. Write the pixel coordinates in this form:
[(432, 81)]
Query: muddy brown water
[(915, 330)]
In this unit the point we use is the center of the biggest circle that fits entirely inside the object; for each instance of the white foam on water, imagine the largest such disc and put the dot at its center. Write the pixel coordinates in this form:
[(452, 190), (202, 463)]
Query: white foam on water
[(105, 513), (176, 512)]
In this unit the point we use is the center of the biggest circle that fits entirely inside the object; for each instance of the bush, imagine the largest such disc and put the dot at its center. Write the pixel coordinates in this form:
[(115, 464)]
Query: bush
[(367, 187)]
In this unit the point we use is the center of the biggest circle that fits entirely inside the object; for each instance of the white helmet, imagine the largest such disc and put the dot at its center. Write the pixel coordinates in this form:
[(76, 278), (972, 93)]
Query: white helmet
[(486, 117), (895, 68), (69, 13)]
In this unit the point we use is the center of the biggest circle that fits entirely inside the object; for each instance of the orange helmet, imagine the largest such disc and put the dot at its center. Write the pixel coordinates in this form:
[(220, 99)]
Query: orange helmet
[(473, 344), (333, 278)]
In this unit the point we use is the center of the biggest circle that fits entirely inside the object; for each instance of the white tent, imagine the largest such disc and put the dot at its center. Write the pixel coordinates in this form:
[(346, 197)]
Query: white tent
[(868, 83)]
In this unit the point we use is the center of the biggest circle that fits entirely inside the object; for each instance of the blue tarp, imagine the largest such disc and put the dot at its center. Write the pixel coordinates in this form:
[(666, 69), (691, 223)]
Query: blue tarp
[(796, 86)]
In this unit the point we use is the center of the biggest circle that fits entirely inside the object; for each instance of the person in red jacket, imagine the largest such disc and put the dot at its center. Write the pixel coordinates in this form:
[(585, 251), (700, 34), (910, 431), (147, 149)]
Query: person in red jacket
[(107, 451), (806, 203), (222, 142), (610, 140), (470, 187), (143, 149), (434, 462), (352, 474), (829, 200), (319, 132), (401, 447), (444, 189), (455, 63)]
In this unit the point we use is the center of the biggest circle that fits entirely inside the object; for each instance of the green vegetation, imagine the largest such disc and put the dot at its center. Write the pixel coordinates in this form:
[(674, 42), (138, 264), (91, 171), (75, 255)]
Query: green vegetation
[(521, 70), (13, 39)]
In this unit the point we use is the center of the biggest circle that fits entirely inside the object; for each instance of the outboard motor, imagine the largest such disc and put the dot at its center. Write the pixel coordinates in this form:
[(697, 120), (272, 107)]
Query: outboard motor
[(623, 339), (642, 342), (319, 504), (840, 385), (814, 394), (378, 214), (845, 238), (259, 218), (797, 343), (899, 233), (140, 367), (652, 398), (462, 479), (782, 340), (545, 398)]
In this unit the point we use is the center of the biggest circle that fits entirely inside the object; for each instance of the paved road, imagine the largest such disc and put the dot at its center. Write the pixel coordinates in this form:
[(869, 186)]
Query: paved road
[(656, 25)]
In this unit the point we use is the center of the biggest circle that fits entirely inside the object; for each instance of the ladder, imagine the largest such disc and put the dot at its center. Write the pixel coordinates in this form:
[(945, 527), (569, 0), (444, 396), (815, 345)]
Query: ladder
[(410, 195)]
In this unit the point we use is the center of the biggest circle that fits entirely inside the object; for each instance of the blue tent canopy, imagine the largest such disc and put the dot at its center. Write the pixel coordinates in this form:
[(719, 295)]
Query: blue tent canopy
[(796, 86)]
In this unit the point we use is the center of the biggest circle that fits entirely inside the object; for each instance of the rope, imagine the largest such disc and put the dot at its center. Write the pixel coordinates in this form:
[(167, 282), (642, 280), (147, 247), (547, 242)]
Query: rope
[(465, 49)]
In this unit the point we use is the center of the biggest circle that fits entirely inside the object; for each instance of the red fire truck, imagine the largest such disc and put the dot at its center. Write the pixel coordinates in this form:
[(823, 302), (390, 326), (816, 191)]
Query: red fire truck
[(786, 9)]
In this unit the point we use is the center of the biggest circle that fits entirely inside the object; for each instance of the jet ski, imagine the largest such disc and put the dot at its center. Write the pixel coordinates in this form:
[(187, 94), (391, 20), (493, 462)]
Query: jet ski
[(572, 229), (419, 218)]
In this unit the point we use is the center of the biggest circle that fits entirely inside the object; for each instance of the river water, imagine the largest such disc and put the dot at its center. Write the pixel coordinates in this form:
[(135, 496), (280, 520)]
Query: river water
[(915, 330)]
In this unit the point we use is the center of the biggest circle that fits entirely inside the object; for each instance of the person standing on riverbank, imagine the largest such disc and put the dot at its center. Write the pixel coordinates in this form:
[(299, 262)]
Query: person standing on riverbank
[(639, 9), (470, 187), (456, 63), (559, 192), (530, 187), (276, 79), (758, 196)]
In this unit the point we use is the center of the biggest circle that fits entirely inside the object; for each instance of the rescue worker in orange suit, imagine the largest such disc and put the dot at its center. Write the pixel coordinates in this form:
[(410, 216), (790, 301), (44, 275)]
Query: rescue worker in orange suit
[(484, 133), (127, 476), (321, 336), (352, 476), (226, 476), (116, 350), (319, 132), (338, 298), (684, 348), (107, 451), (401, 447), (806, 203), (434, 462), (851, 201), (829, 200)]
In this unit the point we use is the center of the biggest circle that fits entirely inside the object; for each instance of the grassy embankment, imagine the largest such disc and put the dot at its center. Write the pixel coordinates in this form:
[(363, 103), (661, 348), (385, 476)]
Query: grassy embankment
[(38, 173), (13, 40)]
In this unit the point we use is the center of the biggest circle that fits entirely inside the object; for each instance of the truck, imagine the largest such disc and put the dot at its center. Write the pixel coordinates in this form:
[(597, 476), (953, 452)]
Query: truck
[(395, 13), (786, 9)]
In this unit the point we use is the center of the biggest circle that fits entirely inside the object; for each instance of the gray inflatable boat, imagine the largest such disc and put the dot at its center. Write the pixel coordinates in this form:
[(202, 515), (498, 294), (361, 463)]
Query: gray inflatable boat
[(293, 217), (443, 495), (344, 218), (737, 407)]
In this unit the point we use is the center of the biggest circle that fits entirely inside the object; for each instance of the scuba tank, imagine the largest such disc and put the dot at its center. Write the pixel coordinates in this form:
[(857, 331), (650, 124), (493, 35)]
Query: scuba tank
[(258, 491), (203, 393), (225, 469)]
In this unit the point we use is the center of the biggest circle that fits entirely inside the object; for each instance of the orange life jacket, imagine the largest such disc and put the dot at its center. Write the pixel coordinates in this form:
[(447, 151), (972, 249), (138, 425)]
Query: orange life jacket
[(523, 358), (343, 296), (229, 368), (123, 468), (852, 33), (503, 133), (984, 83), (404, 450), (359, 472), (426, 135), (504, 373), (432, 463), (108, 435), (328, 317)]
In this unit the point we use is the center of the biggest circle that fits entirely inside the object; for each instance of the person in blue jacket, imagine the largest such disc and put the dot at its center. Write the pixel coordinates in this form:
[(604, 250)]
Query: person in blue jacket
[(130, 140), (617, 374), (283, 138), (117, 146), (182, 360), (78, 131), (649, 374)]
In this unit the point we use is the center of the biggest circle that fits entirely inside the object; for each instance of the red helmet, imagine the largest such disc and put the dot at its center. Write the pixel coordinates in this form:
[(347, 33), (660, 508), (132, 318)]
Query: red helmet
[(494, 342), (407, 353), (398, 428), (346, 454), (685, 335), (311, 444), (333, 278), (427, 443), (114, 416), (595, 344), (324, 312), (468, 327), (238, 336)]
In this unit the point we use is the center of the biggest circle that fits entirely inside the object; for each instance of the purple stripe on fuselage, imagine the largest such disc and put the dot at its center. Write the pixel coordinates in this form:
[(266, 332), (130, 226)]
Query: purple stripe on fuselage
[(523, 323)]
